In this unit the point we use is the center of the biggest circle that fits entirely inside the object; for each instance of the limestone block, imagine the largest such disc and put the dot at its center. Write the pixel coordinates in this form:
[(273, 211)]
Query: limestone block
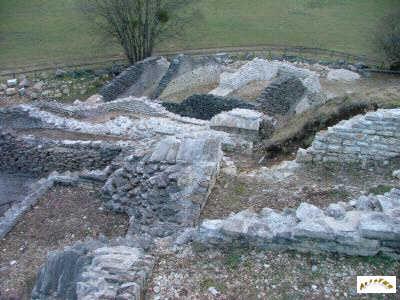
[(380, 226), (336, 211), (308, 211), (12, 82), (342, 75), (11, 91), (239, 119)]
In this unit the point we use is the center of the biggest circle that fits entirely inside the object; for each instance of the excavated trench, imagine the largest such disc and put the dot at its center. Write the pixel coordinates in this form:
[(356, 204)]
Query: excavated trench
[(63, 214)]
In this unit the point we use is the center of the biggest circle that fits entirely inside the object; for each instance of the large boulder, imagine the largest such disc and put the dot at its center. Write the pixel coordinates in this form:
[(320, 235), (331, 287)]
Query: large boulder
[(204, 107), (12, 82), (238, 119), (11, 91), (342, 75)]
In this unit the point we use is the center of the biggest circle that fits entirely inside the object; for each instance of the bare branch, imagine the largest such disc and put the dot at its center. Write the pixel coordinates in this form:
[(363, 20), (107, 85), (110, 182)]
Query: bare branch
[(138, 25)]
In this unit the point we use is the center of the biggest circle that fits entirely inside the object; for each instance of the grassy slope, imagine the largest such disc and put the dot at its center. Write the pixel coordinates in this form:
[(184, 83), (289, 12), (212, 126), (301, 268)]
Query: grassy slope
[(54, 30)]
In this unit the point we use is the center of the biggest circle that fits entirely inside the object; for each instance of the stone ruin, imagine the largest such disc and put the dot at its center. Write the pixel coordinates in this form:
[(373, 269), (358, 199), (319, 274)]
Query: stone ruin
[(365, 226), (159, 168), (155, 166), (158, 79), (365, 139)]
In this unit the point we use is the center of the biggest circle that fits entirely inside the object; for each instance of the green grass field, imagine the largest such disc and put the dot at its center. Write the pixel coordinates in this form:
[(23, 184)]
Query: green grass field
[(36, 31)]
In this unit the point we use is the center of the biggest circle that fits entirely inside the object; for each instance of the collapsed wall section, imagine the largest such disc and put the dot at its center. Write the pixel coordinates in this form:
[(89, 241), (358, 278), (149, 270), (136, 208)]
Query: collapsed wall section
[(370, 138)]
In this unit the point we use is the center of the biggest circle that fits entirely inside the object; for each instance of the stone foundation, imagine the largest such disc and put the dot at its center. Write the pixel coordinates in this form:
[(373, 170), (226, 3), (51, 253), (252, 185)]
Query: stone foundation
[(136, 79), (40, 156), (165, 189), (371, 138), (366, 226)]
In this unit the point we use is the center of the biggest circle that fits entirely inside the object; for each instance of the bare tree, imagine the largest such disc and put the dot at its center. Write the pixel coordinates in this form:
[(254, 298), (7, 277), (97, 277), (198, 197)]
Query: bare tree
[(139, 24), (388, 38)]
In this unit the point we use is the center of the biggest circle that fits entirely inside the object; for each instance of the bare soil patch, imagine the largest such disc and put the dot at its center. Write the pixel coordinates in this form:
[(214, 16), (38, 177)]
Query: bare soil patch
[(63, 216), (178, 97), (318, 185)]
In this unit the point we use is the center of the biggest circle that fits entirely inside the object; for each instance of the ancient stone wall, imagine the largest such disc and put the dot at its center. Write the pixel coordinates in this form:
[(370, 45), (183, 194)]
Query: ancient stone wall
[(17, 118), (204, 107), (282, 95), (366, 226), (374, 137), (41, 156), (130, 81), (165, 189), (95, 270)]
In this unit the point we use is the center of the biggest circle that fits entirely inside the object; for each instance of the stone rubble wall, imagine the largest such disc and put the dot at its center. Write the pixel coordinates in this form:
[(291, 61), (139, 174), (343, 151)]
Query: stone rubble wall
[(95, 270), (264, 70), (282, 95), (136, 128), (204, 107), (61, 109), (370, 138), (17, 118), (366, 226), (144, 127), (140, 106), (136, 79), (40, 156), (165, 189)]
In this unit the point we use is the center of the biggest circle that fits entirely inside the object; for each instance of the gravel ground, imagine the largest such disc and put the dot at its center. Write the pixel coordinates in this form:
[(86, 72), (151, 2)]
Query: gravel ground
[(237, 273), (63, 216), (316, 185)]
